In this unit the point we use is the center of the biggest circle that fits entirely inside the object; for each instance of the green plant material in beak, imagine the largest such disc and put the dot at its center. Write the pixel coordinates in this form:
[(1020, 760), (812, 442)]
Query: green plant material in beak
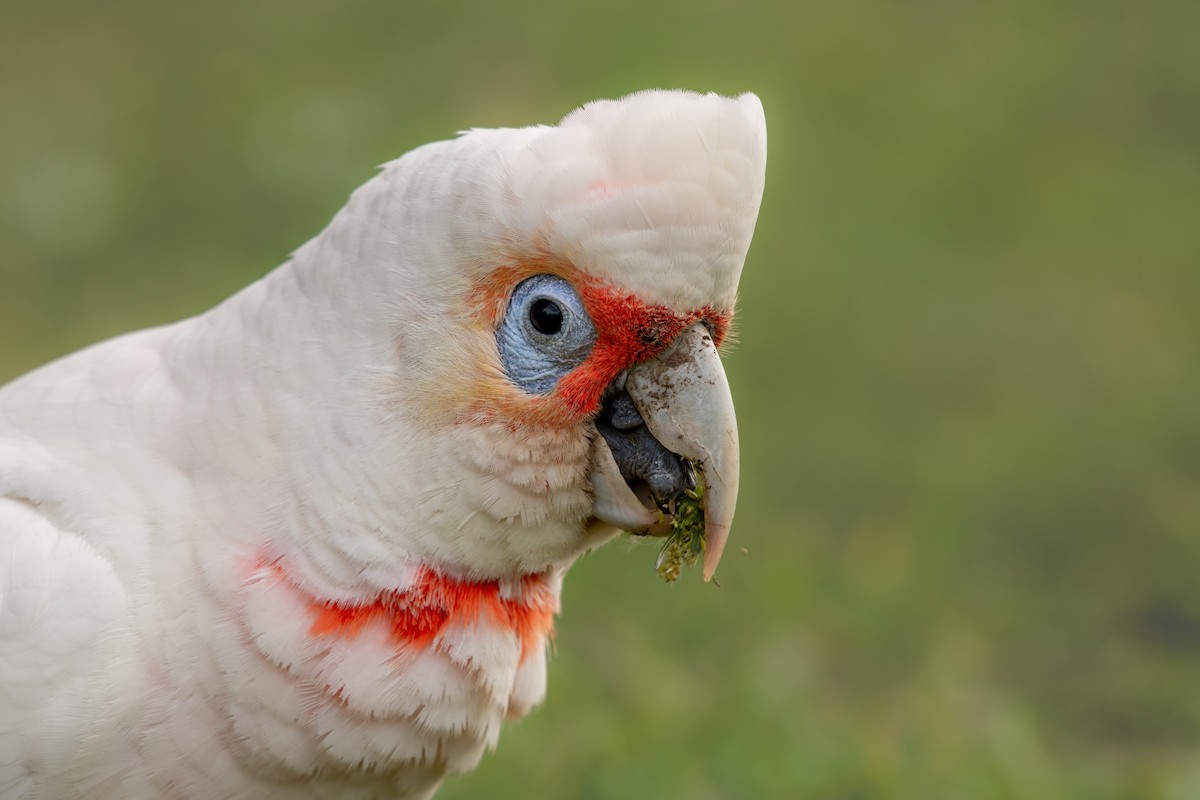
[(685, 542)]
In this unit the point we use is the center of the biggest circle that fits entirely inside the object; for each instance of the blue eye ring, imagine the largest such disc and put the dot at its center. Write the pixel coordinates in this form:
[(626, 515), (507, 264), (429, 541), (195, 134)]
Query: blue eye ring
[(545, 333)]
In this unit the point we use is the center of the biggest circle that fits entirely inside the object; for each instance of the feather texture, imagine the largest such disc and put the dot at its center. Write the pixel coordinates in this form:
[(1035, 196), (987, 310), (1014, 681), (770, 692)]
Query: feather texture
[(310, 543)]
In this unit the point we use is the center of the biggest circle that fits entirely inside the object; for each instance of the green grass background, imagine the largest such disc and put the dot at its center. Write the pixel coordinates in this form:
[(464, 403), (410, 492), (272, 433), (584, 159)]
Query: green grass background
[(967, 375)]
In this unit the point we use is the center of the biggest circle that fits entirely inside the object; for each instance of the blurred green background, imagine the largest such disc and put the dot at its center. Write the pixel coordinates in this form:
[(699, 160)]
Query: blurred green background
[(967, 557)]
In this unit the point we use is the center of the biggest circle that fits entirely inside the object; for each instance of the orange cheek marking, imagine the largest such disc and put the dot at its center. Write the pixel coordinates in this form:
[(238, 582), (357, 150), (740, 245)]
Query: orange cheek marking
[(488, 297), (417, 615)]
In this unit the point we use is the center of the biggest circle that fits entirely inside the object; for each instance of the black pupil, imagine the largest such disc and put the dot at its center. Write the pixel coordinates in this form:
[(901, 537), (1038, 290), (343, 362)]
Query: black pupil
[(546, 316)]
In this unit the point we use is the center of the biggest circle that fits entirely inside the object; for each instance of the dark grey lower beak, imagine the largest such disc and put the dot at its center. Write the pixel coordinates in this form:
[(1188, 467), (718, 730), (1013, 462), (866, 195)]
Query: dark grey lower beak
[(643, 461)]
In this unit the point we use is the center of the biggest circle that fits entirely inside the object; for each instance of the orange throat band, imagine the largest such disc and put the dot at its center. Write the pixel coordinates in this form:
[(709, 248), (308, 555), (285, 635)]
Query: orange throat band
[(416, 615)]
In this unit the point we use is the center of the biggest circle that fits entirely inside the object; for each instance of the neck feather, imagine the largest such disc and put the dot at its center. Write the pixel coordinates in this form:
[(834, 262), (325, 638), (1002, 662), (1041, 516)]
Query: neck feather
[(415, 616)]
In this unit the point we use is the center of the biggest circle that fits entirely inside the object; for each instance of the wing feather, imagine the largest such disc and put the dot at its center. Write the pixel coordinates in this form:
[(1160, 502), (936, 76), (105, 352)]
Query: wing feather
[(66, 661)]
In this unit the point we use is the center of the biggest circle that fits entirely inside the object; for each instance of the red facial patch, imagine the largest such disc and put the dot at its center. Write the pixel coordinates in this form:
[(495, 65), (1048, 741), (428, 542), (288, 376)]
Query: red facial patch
[(628, 332), (415, 616)]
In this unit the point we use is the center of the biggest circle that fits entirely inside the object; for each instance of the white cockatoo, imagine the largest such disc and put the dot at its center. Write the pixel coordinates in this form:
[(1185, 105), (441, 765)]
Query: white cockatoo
[(311, 542)]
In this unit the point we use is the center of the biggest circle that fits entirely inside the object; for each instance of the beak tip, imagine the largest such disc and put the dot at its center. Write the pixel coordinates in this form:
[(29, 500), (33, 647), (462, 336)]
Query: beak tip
[(714, 545)]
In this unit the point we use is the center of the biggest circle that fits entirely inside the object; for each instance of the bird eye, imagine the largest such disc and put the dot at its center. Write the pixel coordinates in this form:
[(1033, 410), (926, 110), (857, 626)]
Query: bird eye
[(545, 333), (546, 316)]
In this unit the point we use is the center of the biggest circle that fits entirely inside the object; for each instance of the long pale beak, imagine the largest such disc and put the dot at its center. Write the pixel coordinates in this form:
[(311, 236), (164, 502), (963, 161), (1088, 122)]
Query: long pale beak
[(684, 397)]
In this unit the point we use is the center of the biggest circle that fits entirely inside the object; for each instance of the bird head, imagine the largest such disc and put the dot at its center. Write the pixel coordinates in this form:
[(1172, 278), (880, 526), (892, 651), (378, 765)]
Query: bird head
[(553, 300)]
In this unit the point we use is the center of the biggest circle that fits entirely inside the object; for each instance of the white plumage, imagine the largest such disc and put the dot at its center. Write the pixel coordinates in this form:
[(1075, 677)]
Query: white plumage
[(308, 543)]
